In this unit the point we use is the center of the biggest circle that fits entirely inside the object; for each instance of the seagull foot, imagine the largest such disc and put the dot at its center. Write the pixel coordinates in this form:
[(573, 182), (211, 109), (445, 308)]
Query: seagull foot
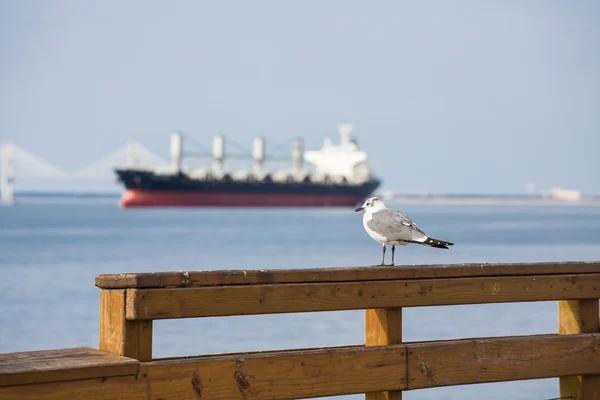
[(390, 264)]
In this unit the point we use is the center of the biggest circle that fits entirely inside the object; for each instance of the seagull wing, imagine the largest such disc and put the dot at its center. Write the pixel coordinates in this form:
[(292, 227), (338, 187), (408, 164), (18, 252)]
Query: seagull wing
[(395, 226)]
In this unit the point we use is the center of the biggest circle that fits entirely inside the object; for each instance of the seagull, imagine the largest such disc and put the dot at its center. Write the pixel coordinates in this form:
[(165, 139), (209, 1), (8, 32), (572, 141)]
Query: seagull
[(391, 227)]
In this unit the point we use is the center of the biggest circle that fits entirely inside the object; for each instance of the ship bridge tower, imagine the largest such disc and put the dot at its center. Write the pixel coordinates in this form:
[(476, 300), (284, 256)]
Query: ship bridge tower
[(176, 150), (218, 153), (340, 161)]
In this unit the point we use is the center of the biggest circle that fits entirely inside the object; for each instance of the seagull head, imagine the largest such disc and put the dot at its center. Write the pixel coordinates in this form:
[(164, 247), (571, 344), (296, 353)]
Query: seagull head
[(371, 205)]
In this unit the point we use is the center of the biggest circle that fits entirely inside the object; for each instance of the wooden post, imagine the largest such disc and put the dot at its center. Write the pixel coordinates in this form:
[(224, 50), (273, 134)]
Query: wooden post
[(579, 316), (117, 334), (383, 327)]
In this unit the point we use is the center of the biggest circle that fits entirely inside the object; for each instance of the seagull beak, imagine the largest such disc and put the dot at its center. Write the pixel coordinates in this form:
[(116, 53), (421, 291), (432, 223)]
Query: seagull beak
[(359, 209)]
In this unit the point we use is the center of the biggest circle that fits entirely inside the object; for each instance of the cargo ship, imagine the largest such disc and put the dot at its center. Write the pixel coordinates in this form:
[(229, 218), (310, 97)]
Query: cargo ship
[(334, 176)]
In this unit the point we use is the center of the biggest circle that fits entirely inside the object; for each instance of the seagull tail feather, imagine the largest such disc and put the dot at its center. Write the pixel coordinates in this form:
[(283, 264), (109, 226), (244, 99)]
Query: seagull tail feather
[(438, 244)]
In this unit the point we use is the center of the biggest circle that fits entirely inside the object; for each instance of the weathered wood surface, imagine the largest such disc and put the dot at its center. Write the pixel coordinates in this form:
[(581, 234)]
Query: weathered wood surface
[(146, 304), (61, 365), (574, 317), (110, 388), (292, 374), (371, 273), (118, 335), (326, 372), (278, 375), (383, 327), (458, 362)]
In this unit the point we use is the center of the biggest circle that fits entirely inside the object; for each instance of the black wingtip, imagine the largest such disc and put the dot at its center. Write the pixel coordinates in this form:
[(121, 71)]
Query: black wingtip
[(438, 244)]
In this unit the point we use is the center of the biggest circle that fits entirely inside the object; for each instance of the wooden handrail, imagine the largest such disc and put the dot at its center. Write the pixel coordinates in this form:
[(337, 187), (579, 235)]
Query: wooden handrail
[(352, 274), (193, 302), (383, 368)]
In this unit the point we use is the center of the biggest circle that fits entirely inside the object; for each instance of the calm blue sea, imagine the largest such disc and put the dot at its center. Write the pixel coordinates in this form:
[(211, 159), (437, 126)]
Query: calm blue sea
[(50, 253)]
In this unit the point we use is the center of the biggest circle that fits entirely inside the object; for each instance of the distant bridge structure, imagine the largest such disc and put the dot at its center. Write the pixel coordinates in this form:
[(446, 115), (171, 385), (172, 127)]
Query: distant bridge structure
[(17, 163)]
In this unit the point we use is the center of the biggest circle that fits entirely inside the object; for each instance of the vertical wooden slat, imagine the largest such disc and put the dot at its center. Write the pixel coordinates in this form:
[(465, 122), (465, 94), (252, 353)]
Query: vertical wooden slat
[(118, 335), (383, 327), (579, 316)]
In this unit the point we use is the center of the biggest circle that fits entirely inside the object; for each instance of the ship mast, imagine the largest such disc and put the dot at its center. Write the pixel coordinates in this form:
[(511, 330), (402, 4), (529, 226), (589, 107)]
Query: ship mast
[(298, 156), (258, 153), (176, 145), (218, 154)]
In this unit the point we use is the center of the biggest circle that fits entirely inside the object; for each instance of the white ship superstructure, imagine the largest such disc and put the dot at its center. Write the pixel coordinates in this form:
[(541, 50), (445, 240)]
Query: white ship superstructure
[(343, 162)]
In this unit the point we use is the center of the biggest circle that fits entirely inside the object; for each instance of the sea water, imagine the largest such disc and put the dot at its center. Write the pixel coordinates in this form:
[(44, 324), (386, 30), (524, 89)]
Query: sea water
[(51, 252)]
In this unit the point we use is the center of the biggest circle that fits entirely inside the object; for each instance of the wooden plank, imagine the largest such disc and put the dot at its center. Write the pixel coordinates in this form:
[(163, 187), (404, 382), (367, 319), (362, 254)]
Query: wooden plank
[(295, 374), (110, 388), (459, 362), (574, 317), (285, 374), (306, 275), (63, 364), (384, 327), (118, 335), (287, 298)]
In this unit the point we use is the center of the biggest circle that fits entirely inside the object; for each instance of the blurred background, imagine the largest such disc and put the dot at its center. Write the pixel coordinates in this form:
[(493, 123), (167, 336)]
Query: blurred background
[(478, 119)]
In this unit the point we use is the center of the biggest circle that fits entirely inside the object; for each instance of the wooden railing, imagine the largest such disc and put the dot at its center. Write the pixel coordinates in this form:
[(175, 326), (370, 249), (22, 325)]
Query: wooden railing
[(123, 367)]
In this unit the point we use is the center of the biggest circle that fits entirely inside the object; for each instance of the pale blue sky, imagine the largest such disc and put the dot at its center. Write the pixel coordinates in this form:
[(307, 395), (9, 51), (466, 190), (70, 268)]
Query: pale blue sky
[(462, 96)]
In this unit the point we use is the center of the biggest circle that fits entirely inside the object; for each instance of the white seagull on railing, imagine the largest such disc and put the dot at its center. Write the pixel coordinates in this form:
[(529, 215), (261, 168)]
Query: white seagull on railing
[(391, 227)]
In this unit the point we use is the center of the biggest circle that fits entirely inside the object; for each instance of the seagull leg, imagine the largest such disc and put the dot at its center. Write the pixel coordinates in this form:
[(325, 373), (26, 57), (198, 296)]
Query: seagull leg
[(393, 251), (383, 256)]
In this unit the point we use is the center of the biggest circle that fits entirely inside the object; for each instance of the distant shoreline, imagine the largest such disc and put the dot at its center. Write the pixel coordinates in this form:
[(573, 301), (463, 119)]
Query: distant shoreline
[(490, 200)]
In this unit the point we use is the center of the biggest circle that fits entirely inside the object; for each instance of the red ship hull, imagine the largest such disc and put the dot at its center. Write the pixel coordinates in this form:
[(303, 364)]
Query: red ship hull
[(166, 198)]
